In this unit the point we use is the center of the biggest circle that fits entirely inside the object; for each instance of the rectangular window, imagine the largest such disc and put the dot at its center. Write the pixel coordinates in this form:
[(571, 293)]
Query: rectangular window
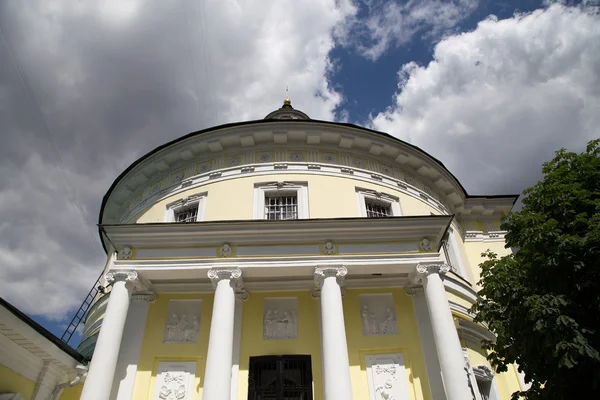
[(452, 254), (189, 214), (280, 201), (281, 206), (376, 204), (188, 209), (377, 209), (485, 387)]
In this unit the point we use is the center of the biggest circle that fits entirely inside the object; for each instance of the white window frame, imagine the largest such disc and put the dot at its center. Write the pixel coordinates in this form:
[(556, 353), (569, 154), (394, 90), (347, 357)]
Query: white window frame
[(454, 250), (485, 373), (362, 195), (195, 199), (262, 190)]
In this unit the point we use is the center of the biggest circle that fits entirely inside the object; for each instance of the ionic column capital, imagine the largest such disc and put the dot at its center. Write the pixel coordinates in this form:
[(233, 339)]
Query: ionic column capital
[(232, 274), (326, 272), (129, 277), (424, 269)]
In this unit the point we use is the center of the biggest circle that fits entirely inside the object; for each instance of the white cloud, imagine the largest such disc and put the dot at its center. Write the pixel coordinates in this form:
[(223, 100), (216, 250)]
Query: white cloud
[(391, 23), (115, 79), (497, 102)]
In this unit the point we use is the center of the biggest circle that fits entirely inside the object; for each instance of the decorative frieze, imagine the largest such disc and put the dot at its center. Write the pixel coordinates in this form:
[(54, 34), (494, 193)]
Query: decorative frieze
[(183, 321), (387, 377), (280, 318), (175, 381), (378, 314)]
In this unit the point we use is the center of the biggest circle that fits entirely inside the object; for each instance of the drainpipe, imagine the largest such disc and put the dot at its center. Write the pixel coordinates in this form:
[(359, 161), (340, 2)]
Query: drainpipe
[(81, 370)]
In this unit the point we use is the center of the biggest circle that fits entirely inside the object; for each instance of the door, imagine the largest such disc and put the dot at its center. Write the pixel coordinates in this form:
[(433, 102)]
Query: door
[(280, 378)]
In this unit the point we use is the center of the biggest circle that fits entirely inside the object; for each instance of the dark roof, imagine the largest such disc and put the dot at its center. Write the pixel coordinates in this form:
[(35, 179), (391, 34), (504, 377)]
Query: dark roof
[(42, 331), (270, 121)]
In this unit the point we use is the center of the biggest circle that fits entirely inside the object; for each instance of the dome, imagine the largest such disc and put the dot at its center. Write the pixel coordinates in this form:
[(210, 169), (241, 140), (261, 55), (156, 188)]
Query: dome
[(287, 112)]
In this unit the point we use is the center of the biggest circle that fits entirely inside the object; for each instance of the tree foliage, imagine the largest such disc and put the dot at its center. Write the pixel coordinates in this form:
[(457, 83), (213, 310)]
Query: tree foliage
[(543, 301)]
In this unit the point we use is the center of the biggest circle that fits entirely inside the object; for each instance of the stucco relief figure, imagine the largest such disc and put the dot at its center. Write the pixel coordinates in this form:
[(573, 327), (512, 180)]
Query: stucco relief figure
[(268, 324), (279, 325), (389, 323), (180, 330), (373, 328), (385, 391), (365, 319), (172, 328)]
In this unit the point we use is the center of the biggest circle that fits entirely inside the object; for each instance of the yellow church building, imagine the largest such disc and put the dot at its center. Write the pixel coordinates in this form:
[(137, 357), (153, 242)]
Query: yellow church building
[(291, 258)]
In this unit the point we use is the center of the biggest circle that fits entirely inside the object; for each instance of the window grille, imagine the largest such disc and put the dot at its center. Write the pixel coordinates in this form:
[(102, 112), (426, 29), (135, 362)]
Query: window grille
[(280, 378), (189, 214), (376, 209), (279, 206)]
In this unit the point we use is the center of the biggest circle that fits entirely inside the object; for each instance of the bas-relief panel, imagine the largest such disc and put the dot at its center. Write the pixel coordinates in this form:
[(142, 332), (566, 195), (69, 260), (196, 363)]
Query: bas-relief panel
[(387, 377), (378, 314), (183, 321), (280, 318), (175, 381)]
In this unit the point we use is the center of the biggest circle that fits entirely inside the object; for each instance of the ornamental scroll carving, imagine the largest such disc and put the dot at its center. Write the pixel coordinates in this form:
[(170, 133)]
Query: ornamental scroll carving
[(183, 321), (280, 319), (175, 381), (387, 377)]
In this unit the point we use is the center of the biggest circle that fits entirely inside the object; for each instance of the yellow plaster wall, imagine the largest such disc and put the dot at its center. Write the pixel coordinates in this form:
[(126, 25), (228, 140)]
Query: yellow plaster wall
[(11, 382), (253, 344), (328, 197), (155, 351), (359, 346), (407, 342), (72, 393), (473, 252)]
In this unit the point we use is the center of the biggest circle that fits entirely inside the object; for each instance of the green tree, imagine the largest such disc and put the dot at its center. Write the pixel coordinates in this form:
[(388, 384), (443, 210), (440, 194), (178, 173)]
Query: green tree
[(543, 301)]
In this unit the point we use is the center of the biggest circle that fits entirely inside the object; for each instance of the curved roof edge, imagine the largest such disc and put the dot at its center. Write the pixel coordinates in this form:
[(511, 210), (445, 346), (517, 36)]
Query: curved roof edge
[(278, 121)]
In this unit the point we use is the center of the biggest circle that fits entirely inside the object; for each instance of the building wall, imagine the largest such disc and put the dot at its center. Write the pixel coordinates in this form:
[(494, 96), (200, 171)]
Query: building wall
[(506, 382), (72, 393), (11, 382), (155, 351), (328, 197), (252, 343)]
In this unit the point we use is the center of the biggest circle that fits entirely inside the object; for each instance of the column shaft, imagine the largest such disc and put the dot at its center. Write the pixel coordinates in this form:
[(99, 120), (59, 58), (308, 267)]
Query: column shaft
[(217, 378), (101, 373), (446, 339), (336, 367)]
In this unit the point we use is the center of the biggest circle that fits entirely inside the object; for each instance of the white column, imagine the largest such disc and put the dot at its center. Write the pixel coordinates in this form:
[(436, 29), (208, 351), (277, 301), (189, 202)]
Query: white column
[(432, 363), (336, 367), (101, 373), (217, 378), (131, 346), (444, 331)]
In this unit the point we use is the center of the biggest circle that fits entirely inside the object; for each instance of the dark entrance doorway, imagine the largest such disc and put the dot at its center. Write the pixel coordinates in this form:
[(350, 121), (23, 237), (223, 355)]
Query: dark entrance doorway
[(280, 378)]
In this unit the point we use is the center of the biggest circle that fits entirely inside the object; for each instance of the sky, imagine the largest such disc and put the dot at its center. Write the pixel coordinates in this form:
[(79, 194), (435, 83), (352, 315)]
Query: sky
[(490, 88)]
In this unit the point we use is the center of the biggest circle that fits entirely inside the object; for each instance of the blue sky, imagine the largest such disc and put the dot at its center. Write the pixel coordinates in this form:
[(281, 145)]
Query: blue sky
[(491, 88)]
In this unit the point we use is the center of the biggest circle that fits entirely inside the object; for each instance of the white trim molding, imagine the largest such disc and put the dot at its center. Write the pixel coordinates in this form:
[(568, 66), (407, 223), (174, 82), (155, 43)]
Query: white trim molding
[(263, 189), (198, 199), (363, 195)]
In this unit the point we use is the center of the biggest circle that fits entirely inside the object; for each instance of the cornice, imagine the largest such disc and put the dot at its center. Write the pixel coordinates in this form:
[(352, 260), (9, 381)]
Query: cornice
[(189, 150), (256, 232)]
